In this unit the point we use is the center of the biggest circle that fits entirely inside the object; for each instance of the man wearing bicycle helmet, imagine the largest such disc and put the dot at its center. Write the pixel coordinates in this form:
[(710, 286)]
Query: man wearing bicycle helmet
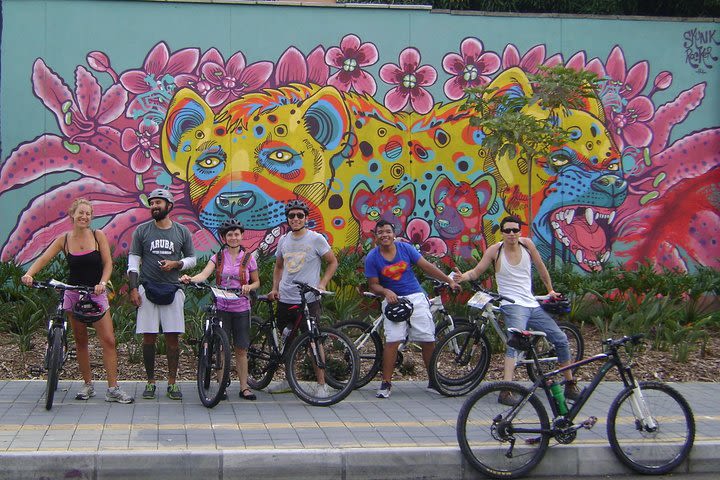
[(388, 268), (513, 259), (233, 268), (160, 249), (299, 257)]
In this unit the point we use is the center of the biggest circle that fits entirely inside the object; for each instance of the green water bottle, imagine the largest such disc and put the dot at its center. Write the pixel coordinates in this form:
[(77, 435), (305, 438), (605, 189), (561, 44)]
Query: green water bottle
[(559, 395)]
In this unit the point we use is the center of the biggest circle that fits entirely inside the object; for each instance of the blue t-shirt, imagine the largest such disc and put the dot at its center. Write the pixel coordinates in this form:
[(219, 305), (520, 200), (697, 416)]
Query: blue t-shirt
[(396, 275)]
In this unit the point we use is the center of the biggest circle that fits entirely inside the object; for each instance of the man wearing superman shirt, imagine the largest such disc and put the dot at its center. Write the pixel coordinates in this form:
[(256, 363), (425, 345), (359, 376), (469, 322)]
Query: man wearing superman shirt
[(388, 268)]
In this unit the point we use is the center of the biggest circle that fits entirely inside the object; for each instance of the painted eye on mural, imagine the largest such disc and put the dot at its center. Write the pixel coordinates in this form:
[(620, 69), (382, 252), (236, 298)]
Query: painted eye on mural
[(559, 159), (614, 167), (397, 211), (280, 156), (440, 208), (464, 210), (373, 215), (209, 162)]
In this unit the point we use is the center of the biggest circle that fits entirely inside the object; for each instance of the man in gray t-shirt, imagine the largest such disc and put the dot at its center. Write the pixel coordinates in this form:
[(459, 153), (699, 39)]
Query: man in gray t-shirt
[(160, 249), (299, 257)]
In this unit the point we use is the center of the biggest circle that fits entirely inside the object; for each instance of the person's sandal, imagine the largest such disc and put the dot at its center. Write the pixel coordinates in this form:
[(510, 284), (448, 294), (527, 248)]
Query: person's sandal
[(247, 396)]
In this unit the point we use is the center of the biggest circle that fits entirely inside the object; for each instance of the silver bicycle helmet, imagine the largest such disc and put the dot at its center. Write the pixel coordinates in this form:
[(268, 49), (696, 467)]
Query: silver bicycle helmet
[(162, 193), (399, 312)]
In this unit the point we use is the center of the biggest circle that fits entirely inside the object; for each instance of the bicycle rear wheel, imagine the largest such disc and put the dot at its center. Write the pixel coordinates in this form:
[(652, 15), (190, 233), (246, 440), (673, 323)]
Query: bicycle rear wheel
[(651, 449), (488, 435), (443, 327), (54, 358), (547, 354), (261, 365), (213, 371), (369, 347), (340, 369), (460, 361)]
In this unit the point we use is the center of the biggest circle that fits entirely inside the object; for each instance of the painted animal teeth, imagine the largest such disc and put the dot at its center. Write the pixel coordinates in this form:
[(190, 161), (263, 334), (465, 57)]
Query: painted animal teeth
[(569, 215), (555, 225), (579, 255), (561, 215), (566, 242), (611, 217), (589, 216), (605, 256)]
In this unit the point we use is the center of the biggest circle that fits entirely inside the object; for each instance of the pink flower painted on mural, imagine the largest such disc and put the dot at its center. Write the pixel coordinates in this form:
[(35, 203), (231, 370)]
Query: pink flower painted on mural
[(578, 62), (143, 145), (195, 80), (159, 70), (629, 123), (86, 114), (631, 82), (293, 67), (409, 79), (234, 78), (349, 59), (418, 234), (531, 61), (469, 69)]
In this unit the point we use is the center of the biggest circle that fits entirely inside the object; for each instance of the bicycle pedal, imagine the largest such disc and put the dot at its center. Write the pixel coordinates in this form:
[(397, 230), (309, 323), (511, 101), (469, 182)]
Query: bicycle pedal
[(192, 341), (36, 371), (589, 423), (533, 441), (72, 353)]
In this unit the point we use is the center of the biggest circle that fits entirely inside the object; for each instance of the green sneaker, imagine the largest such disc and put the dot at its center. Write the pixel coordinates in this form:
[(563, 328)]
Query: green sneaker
[(173, 392), (149, 392)]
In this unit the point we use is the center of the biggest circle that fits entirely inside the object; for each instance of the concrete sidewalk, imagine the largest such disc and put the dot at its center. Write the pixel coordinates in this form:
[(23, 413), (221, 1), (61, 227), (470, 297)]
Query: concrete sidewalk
[(409, 436)]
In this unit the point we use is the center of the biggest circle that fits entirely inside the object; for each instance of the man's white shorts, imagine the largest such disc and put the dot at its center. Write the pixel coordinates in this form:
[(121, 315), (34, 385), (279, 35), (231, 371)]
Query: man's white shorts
[(150, 316), (422, 328)]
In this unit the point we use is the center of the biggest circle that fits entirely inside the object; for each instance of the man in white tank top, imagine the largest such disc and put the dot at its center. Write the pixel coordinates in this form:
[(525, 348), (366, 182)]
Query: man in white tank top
[(513, 258)]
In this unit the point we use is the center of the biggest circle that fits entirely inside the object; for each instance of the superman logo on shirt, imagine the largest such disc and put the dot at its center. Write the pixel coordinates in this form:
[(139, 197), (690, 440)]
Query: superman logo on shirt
[(395, 271)]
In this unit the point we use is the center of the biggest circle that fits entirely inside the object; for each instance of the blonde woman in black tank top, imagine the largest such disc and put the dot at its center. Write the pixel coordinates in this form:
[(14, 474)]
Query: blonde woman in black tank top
[(88, 256)]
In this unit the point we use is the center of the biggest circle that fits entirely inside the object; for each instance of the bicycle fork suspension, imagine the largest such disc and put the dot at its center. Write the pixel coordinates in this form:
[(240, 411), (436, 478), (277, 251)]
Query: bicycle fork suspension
[(642, 413)]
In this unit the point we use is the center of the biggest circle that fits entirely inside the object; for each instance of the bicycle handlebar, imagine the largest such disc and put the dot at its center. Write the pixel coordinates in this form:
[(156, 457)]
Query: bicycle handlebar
[(58, 285), (496, 296), (634, 339), (305, 288)]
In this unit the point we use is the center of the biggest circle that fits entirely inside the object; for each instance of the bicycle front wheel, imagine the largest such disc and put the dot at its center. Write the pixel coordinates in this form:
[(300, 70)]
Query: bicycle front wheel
[(261, 364), (460, 361), (653, 433), (322, 370), (54, 362), (369, 347), (213, 371), (498, 440), (547, 354)]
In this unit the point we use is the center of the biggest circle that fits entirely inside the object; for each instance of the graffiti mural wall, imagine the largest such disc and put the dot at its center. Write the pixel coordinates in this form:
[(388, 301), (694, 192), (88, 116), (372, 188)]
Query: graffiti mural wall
[(357, 111)]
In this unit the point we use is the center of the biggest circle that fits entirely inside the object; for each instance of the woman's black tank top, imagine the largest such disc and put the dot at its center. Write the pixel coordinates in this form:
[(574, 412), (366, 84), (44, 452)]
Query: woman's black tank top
[(85, 269)]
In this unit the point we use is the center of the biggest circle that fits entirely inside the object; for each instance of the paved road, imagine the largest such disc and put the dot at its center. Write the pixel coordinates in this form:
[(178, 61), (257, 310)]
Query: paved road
[(363, 437)]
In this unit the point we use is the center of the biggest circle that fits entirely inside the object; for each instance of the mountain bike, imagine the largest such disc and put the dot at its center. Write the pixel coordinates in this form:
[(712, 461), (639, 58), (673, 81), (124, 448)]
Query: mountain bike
[(368, 340), (461, 360), (306, 349), (214, 351), (650, 426), (57, 352)]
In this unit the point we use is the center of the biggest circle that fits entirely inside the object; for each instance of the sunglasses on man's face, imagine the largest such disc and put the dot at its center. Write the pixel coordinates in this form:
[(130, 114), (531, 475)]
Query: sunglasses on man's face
[(511, 230), (299, 215)]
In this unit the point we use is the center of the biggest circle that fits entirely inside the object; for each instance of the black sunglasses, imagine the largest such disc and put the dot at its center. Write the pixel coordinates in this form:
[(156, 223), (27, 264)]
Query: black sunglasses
[(511, 230), (299, 215)]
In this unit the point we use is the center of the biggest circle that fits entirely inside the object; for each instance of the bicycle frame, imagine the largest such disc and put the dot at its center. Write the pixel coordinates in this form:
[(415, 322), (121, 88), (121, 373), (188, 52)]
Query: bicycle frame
[(545, 380)]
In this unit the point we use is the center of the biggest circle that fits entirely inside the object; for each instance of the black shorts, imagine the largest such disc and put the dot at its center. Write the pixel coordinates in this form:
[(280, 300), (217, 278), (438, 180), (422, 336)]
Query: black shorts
[(288, 314), (237, 326)]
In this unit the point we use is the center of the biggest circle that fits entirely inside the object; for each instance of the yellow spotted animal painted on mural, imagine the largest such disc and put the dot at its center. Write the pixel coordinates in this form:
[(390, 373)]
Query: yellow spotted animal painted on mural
[(353, 161)]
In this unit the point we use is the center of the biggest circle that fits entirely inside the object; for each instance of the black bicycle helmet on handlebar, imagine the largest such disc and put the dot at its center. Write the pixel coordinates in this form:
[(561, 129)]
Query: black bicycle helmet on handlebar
[(399, 312), (230, 224), (556, 306), (87, 310), (297, 205)]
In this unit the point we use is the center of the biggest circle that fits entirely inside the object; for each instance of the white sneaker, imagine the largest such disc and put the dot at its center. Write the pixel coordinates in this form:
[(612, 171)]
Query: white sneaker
[(282, 387), (321, 391), (87, 391), (116, 394), (384, 390)]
